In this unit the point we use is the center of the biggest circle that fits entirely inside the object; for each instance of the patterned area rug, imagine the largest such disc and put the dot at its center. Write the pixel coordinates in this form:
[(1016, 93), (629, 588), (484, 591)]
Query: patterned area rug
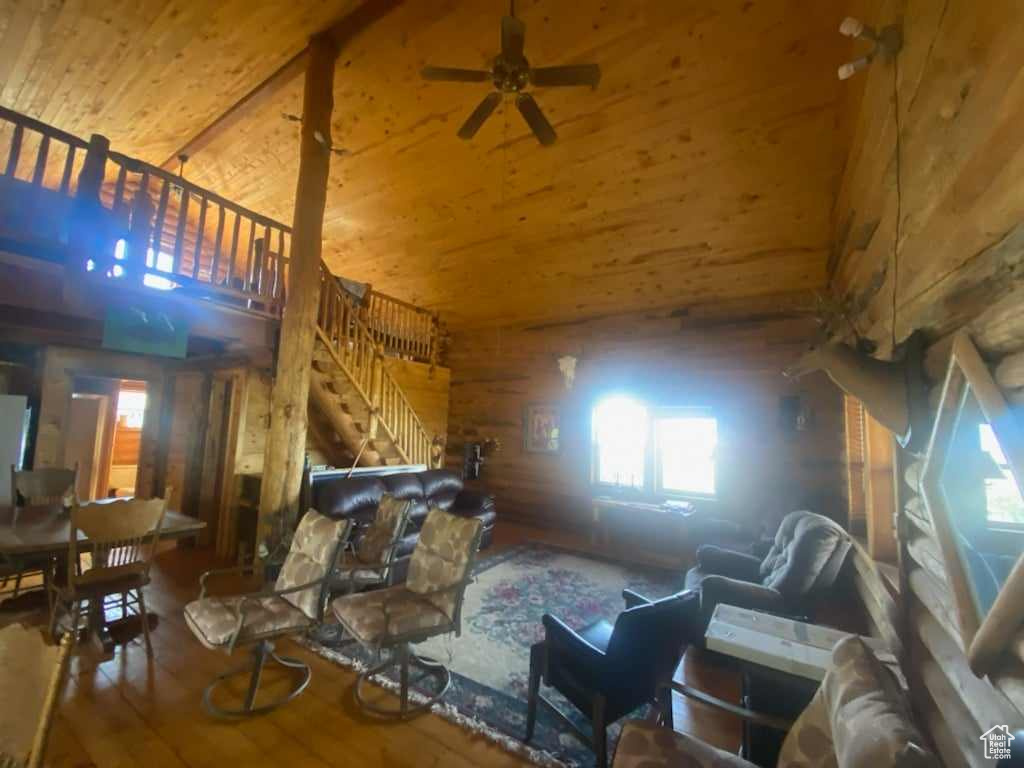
[(501, 619)]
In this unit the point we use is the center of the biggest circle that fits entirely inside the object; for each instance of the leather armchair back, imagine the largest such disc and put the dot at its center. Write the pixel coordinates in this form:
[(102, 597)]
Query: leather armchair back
[(807, 555), (646, 641)]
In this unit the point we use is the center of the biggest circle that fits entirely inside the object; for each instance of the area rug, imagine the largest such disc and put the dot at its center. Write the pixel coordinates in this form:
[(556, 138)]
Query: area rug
[(501, 619)]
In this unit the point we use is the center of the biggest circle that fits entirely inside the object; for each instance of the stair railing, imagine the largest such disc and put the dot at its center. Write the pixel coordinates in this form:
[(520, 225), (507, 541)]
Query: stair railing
[(402, 328), (352, 346)]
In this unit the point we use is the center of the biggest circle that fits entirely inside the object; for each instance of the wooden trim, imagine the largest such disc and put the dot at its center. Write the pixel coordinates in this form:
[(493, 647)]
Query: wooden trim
[(986, 638)]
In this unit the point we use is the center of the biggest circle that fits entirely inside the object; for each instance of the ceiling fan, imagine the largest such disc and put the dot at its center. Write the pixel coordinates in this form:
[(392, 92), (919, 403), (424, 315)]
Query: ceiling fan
[(511, 73)]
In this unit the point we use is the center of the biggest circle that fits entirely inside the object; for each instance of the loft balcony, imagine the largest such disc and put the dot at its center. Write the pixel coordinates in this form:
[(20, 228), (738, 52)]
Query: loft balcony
[(85, 230)]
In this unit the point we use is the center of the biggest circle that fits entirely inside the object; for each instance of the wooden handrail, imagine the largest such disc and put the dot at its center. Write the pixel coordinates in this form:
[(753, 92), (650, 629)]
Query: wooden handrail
[(17, 118), (402, 328), (138, 166), (340, 325)]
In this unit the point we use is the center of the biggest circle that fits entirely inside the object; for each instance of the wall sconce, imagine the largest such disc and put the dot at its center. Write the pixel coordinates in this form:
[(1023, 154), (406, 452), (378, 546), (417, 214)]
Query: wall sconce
[(567, 365), (888, 40)]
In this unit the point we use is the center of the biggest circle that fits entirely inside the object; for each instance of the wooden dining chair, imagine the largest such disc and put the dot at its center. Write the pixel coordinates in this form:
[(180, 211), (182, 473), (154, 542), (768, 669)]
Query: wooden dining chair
[(36, 671), (121, 539), (32, 487)]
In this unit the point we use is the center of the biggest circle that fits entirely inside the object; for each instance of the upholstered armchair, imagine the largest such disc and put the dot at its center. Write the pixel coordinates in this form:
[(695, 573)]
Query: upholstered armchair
[(859, 718), (608, 671), (429, 603), (804, 562), (294, 605), (368, 561)]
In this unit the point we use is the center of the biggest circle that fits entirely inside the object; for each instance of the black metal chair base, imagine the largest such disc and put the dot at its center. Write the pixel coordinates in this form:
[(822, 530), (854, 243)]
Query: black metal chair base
[(404, 659), (260, 654)]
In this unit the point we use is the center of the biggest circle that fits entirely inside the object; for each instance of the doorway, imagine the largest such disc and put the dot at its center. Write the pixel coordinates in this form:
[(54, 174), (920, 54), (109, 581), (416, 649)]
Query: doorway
[(104, 435)]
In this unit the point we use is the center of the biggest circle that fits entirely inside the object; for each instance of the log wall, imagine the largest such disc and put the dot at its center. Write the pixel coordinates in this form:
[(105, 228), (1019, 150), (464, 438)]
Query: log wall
[(959, 204), (685, 357)]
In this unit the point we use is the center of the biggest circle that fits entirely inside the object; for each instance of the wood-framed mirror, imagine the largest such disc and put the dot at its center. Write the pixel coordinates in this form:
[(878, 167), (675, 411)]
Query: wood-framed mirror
[(971, 485)]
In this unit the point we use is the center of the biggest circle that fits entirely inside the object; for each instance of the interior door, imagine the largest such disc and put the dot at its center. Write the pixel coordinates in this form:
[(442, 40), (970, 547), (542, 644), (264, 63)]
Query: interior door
[(84, 444)]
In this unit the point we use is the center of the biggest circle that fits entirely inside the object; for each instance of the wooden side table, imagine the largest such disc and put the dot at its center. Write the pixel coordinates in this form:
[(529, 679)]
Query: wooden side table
[(781, 644)]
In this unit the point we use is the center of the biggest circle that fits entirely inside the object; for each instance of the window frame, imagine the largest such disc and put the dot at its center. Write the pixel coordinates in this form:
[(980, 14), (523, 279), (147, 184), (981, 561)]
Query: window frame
[(595, 455), (668, 413)]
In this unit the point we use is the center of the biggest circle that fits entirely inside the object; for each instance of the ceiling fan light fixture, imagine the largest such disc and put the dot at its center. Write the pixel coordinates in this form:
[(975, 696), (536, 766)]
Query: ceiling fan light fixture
[(511, 73)]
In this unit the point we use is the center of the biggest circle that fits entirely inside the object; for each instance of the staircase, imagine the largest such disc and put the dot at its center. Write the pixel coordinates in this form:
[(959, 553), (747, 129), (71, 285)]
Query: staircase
[(361, 405), (148, 224)]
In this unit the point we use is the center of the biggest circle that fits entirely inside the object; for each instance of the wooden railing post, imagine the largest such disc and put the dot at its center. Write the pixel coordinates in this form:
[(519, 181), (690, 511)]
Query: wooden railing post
[(285, 452), (140, 230), (435, 333), (89, 231), (376, 392)]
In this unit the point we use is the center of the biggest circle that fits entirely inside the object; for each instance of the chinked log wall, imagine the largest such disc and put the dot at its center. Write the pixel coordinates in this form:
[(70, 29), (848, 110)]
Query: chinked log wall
[(958, 266)]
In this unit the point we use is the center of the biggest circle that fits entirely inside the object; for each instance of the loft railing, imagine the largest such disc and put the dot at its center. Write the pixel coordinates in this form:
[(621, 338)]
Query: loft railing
[(39, 154), (403, 328), (341, 328), (224, 251), (133, 221), (130, 220)]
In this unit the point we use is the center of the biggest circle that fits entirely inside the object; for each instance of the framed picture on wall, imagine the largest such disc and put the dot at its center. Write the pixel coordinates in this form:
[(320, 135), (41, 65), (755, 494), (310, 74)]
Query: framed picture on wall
[(542, 428)]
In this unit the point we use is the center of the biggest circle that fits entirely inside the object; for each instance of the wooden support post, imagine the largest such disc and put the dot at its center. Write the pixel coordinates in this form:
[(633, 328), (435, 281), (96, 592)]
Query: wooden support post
[(88, 229), (286, 440)]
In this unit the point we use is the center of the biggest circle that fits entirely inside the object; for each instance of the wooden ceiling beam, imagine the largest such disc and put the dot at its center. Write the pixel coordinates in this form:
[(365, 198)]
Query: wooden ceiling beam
[(341, 31)]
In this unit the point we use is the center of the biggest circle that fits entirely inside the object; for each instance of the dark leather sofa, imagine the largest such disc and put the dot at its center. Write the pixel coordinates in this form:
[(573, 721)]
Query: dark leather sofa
[(335, 495)]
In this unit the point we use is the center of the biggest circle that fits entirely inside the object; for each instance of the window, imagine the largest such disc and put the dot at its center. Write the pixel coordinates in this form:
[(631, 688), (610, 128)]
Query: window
[(659, 451), (1003, 500), (131, 408), (620, 439), (162, 262), (685, 452)]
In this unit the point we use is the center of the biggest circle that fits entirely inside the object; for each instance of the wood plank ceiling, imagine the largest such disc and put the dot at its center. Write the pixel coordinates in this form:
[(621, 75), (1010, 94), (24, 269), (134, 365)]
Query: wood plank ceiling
[(702, 169)]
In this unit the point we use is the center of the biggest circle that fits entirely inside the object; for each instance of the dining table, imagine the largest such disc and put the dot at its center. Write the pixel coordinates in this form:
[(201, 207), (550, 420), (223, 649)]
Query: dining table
[(42, 532)]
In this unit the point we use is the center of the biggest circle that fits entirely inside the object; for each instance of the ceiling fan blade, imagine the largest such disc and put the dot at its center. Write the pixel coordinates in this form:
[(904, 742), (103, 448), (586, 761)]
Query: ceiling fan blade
[(574, 74), (513, 38), (455, 75), (480, 114), (535, 119)]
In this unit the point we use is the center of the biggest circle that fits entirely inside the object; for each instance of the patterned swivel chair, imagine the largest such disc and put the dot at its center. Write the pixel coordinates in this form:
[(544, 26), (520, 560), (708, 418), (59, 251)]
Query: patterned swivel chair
[(293, 606), (429, 603)]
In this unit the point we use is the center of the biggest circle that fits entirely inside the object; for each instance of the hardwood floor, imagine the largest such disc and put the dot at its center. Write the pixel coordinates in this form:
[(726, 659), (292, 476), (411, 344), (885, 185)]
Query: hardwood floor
[(130, 710)]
